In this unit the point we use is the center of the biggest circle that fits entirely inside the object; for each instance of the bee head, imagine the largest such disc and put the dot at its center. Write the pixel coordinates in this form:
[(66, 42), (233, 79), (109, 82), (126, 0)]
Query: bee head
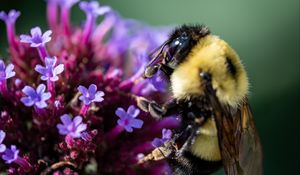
[(171, 53)]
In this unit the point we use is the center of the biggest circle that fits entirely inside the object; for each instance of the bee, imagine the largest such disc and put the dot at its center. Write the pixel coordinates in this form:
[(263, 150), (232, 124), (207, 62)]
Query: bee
[(209, 88)]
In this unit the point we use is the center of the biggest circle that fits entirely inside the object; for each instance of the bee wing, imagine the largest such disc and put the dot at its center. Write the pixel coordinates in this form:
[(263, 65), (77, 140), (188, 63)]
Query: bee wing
[(250, 150), (239, 142)]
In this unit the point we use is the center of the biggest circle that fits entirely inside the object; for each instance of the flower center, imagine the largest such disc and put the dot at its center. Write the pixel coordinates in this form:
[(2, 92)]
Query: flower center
[(37, 39)]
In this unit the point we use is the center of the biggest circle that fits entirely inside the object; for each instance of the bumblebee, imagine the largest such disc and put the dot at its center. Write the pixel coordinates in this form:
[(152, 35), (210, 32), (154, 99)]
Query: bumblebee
[(209, 88)]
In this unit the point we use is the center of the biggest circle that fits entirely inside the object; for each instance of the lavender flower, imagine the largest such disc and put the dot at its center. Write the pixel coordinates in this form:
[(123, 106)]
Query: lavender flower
[(128, 119), (166, 136), (10, 155), (93, 8), (10, 20), (2, 136), (6, 72), (69, 127), (90, 95), (11, 16), (36, 97), (111, 55), (37, 38), (50, 71)]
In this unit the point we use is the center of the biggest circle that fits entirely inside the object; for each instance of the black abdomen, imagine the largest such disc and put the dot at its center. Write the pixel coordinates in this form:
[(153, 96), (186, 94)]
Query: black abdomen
[(188, 164)]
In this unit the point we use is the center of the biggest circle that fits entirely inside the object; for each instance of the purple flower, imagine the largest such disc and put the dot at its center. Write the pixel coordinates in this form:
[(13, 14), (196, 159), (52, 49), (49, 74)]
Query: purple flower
[(10, 155), (50, 71), (128, 119), (69, 127), (6, 72), (37, 38), (35, 97), (166, 136), (90, 95), (93, 8), (10, 17), (2, 136)]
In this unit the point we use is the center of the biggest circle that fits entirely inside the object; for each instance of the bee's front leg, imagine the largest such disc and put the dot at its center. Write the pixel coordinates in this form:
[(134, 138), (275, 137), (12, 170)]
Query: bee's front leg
[(157, 111)]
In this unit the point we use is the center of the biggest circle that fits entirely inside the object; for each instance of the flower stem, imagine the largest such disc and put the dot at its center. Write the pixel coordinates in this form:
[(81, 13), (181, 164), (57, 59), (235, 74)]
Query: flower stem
[(51, 88), (52, 14), (113, 133), (65, 20), (42, 52), (4, 90), (103, 28), (39, 111), (23, 163), (10, 28), (88, 29), (84, 109)]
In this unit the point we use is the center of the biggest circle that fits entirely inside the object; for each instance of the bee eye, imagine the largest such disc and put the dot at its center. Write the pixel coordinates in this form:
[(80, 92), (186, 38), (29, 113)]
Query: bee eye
[(177, 50), (178, 43)]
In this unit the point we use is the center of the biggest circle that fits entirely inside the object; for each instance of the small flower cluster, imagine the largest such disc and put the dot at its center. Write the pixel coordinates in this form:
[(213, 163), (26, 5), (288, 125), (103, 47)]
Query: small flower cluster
[(67, 96)]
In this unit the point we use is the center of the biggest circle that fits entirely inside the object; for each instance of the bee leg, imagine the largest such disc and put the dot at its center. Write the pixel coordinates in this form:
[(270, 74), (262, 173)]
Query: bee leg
[(189, 141), (157, 111)]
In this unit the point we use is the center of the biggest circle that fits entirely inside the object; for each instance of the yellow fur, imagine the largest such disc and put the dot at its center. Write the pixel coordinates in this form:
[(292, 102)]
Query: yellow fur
[(206, 144), (209, 55)]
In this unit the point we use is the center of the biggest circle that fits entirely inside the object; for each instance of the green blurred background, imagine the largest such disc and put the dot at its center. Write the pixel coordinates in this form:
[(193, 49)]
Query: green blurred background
[(264, 33)]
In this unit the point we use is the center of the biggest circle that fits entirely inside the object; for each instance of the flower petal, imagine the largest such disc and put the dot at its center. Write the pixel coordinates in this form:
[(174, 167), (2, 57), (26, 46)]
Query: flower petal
[(25, 39), (83, 90), (40, 89), (81, 127), (41, 104), (92, 89), (2, 136), (77, 120), (40, 69), (27, 101), (98, 96), (136, 123), (50, 62), (134, 112), (58, 69), (36, 31), (2, 148), (120, 112), (2, 65), (45, 96), (29, 91), (157, 142), (62, 129), (66, 119)]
